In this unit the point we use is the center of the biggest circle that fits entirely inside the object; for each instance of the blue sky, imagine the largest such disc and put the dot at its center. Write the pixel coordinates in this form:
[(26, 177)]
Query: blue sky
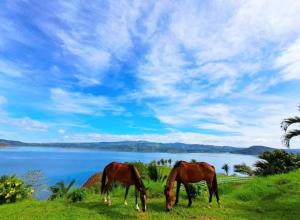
[(211, 72)]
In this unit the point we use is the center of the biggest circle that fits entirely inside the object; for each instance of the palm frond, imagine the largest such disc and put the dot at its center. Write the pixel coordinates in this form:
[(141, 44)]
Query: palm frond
[(289, 121), (289, 135), (69, 186)]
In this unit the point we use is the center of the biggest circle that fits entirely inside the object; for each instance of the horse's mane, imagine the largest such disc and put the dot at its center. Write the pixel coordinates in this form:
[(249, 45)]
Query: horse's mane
[(176, 165), (137, 176)]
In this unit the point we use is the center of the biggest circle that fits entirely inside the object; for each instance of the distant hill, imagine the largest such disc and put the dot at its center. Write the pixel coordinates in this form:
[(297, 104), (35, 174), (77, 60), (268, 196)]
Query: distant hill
[(254, 150), (10, 143), (146, 146)]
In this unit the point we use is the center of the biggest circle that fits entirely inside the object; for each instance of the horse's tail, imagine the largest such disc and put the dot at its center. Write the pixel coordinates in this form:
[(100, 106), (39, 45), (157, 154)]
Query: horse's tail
[(103, 180), (215, 186)]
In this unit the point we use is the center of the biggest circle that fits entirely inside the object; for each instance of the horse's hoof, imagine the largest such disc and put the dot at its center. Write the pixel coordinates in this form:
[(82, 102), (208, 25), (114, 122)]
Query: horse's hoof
[(125, 203), (209, 206), (219, 205)]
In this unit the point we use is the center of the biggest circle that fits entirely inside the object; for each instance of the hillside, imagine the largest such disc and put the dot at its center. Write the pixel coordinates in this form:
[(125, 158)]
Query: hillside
[(274, 197), (254, 150), (145, 146)]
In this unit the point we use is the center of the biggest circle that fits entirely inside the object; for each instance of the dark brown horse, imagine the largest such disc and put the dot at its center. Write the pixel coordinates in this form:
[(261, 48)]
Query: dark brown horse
[(185, 173), (126, 174)]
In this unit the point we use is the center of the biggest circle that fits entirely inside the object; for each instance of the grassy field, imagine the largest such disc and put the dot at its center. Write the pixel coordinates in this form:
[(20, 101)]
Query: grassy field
[(274, 197)]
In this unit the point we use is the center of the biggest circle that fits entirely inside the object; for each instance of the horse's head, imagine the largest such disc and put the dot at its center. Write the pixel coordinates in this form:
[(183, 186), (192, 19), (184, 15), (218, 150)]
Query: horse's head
[(143, 197), (169, 198)]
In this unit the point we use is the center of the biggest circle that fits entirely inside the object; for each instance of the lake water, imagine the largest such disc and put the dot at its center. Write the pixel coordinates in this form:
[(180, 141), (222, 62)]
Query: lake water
[(64, 164)]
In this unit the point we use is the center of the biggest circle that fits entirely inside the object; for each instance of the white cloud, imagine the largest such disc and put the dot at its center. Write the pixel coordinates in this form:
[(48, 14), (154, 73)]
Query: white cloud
[(289, 61), (11, 69), (75, 102), (61, 131), (3, 100), (23, 123)]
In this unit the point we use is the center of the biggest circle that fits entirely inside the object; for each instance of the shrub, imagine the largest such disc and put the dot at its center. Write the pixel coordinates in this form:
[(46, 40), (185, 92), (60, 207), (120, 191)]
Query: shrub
[(36, 180), (276, 162), (244, 169), (196, 190), (13, 188), (153, 172), (142, 168), (60, 190), (77, 195)]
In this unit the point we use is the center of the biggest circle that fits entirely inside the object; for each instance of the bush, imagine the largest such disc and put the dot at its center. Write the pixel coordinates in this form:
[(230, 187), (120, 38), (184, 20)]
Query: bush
[(60, 190), (142, 168), (196, 190), (276, 162), (13, 188), (244, 169), (153, 172), (77, 195)]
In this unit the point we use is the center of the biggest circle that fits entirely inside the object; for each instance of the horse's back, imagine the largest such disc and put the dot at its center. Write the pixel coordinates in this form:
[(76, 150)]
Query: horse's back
[(195, 171), (120, 172)]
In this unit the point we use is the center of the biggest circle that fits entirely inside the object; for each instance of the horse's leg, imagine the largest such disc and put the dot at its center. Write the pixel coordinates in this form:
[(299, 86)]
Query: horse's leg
[(188, 194), (126, 193), (109, 188), (215, 190), (136, 200), (177, 192), (210, 189)]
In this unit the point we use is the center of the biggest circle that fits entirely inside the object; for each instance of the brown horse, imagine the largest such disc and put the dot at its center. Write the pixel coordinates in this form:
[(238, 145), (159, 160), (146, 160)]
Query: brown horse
[(126, 174), (185, 173)]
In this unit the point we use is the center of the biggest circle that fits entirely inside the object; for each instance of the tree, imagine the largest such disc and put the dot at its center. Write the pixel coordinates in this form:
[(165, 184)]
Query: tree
[(289, 134), (162, 162), (225, 167), (193, 161), (243, 168), (275, 162), (170, 162)]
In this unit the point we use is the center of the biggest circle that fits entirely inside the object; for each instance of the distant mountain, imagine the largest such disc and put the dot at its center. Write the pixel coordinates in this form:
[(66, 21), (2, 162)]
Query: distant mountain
[(146, 146), (254, 150), (10, 143)]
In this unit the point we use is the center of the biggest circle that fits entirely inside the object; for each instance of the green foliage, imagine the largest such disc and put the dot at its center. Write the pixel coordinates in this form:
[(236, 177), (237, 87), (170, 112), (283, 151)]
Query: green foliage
[(244, 169), (60, 190), (142, 168), (273, 197), (197, 190), (35, 179), (77, 195), (226, 168), (289, 134), (276, 162), (13, 188), (153, 172)]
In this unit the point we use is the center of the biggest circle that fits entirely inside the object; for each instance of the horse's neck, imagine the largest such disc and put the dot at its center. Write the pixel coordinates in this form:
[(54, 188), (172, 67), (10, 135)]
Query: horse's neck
[(139, 183), (172, 178)]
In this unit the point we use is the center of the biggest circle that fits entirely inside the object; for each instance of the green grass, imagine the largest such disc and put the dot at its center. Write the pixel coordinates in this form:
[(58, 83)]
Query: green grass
[(274, 197)]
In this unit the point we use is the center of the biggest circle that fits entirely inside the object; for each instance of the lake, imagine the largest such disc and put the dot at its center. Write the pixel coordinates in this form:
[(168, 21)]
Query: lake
[(69, 163)]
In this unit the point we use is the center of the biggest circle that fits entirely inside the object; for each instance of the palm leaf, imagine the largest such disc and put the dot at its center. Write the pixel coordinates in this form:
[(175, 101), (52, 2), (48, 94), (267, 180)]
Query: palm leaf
[(289, 135), (289, 121), (69, 186)]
